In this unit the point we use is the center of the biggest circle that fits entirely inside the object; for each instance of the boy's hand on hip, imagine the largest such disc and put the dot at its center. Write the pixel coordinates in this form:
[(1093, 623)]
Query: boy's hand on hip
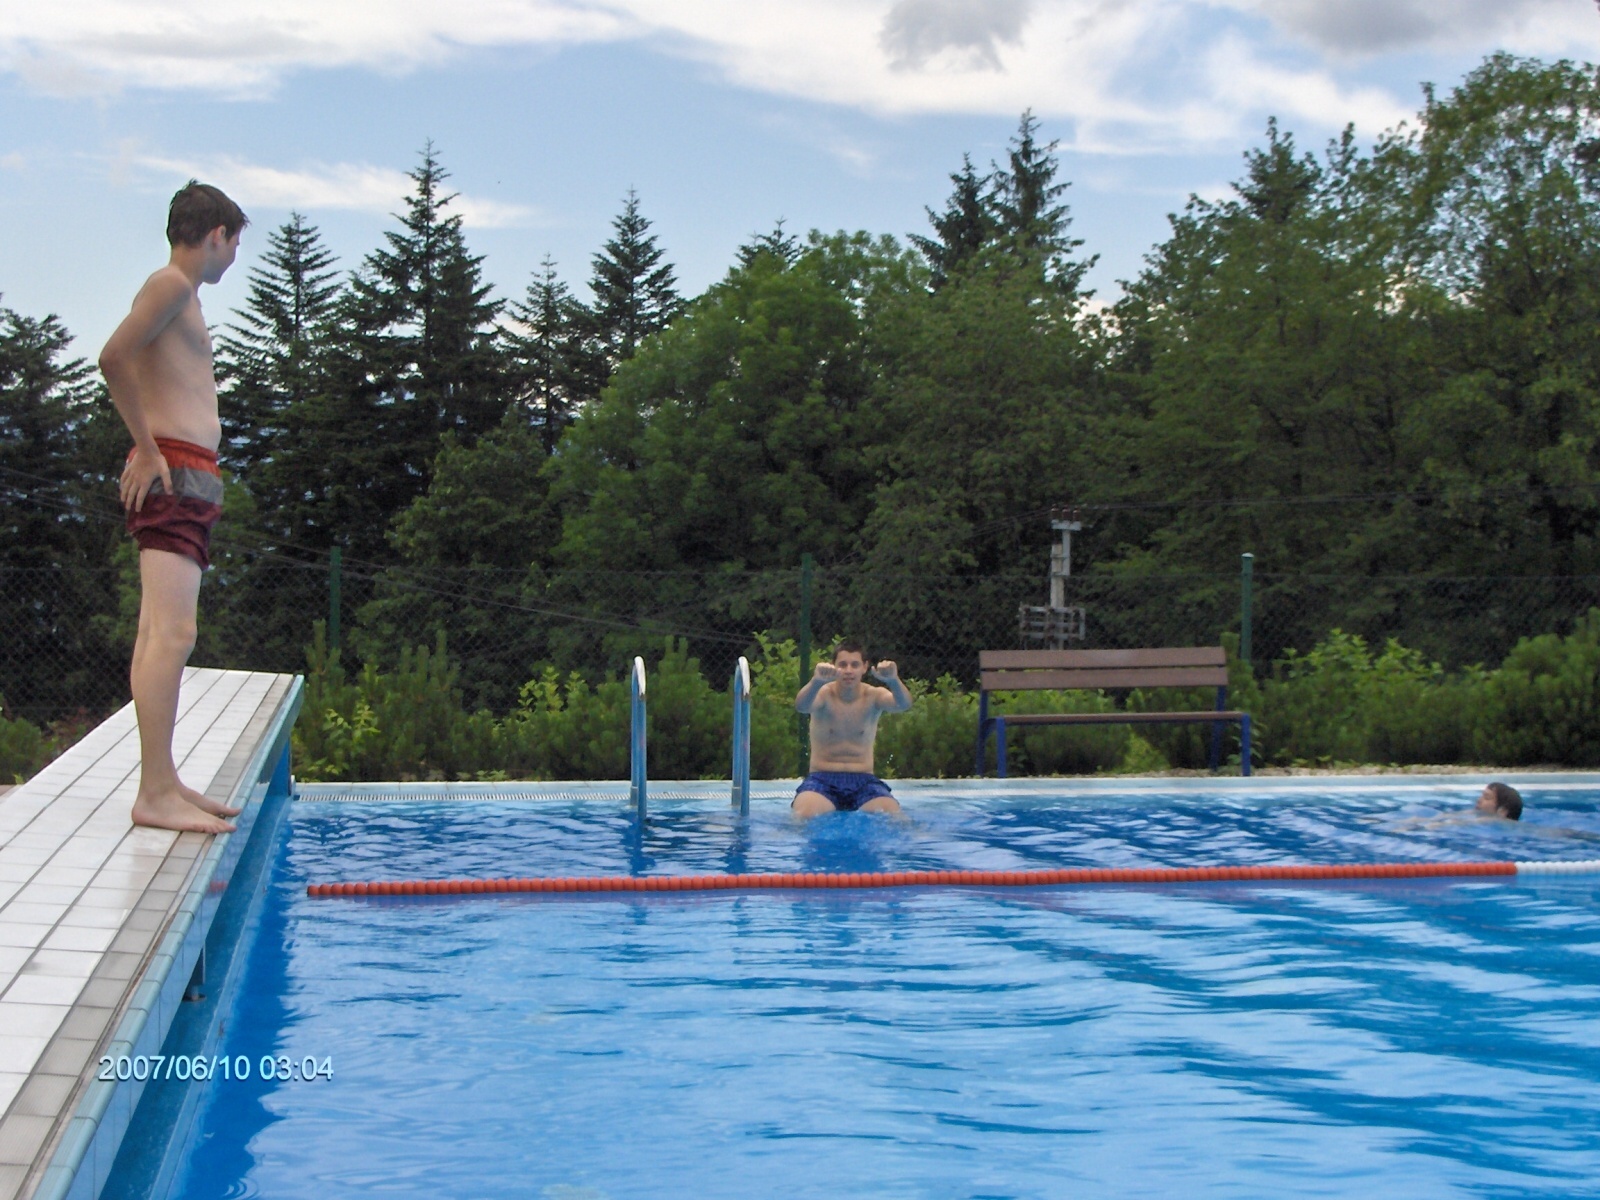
[(143, 468)]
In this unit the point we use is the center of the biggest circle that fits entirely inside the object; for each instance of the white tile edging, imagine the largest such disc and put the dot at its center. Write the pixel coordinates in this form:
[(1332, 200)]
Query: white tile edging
[(94, 1131)]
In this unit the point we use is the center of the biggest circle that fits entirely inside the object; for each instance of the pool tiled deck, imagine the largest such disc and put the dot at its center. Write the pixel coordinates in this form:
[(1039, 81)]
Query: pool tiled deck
[(92, 913)]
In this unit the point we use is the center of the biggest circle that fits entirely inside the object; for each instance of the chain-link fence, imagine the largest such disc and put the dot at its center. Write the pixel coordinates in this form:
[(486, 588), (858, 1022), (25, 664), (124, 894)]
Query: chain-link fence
[(65, 634)]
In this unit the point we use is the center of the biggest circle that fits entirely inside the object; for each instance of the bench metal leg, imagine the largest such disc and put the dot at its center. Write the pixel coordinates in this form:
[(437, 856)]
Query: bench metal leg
[(1000, 746), (1244, 745)]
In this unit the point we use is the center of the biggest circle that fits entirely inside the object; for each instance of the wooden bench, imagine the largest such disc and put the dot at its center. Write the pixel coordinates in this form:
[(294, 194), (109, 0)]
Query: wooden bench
[(1065, 670)]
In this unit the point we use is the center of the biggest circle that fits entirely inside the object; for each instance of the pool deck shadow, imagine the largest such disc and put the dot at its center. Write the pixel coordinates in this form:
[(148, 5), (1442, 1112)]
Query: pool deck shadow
[(102, 923)]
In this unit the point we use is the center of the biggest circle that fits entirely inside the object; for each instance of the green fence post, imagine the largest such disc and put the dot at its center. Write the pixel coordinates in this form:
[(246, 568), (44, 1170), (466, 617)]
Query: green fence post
[(803, 637), (334, 557), (1247, 565)]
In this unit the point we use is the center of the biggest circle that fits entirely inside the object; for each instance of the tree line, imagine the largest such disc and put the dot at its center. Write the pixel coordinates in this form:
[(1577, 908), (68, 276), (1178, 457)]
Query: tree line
[(1366, 362)]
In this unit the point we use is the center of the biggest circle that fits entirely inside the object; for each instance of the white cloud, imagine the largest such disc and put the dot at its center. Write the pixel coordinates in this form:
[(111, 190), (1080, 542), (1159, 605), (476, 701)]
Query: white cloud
[(1118, 75), (1314, 96), (970, 32), (1358, 28), (248, 47), (356, 186)]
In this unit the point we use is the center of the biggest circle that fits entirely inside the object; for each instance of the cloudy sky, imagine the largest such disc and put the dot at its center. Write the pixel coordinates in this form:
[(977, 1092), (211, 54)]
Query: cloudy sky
[(724, 114)]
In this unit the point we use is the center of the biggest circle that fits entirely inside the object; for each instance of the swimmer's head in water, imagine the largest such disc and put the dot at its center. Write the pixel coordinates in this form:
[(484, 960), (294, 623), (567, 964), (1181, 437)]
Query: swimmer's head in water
[(1501, 800)]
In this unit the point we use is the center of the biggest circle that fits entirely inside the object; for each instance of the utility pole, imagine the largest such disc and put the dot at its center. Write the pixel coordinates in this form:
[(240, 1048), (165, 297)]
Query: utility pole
[(335, 557), (1247, 569), (1059, 622), (1065, 522), (802, 723)]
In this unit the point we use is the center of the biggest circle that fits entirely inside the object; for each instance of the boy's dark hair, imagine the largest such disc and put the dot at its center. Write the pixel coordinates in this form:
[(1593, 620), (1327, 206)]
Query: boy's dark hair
[(1507, 800), (197, 209), (849, 646)]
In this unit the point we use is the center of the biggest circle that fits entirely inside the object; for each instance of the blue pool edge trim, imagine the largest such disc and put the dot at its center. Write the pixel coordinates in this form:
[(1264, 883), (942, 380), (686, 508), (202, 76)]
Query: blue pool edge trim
[(81, 1162)]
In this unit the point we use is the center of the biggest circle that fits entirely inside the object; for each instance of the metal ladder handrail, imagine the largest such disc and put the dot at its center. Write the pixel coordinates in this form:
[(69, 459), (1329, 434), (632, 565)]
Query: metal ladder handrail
[(636, 737), (741, 736)]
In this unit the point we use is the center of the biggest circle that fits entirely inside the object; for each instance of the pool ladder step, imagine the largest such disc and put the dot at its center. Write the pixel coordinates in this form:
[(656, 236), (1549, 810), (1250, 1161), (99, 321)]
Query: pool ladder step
[(638, 748)]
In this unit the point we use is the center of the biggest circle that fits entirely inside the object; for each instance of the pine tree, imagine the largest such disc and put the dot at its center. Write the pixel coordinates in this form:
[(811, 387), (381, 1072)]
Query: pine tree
[(635, 293), (965, 226), (46, 402), (1279, 182), (270, 361), (548, 361), (1014, 210), (61, 446), (784, 247), (418, 356), (422, 310), (1023, 203), (1025, 193)]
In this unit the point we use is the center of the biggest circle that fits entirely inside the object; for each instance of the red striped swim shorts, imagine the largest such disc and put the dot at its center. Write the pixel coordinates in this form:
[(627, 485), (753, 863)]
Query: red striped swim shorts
[(181, 523)]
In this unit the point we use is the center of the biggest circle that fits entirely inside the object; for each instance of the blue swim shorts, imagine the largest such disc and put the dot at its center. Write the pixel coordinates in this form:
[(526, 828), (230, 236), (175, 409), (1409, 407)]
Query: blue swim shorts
[(845, 790)]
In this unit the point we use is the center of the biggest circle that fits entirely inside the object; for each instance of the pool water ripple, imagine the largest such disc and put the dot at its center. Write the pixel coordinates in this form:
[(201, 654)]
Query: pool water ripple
[(1413, 1038)]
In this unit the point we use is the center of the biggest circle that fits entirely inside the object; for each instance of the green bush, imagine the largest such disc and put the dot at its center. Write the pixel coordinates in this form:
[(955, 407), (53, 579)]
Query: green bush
[(23, 749), (565, 729), (407, 724), (1056, 749), (570, 730), (774, 724), (1543, 704), (936, 739), (1340, 702), (410, 723)]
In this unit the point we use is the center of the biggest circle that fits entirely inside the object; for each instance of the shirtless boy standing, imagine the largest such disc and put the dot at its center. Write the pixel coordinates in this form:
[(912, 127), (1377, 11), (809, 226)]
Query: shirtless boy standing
[(844, 722), (158, 368)]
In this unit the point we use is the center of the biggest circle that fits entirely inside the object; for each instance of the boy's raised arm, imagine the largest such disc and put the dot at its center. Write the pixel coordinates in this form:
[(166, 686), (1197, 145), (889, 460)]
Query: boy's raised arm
[(807, 699), (158, 303), (899, 697)]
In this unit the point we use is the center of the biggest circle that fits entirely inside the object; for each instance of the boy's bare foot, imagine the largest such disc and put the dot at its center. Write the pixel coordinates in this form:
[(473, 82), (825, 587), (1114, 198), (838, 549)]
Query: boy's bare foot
[(205, 803), (172, 810)]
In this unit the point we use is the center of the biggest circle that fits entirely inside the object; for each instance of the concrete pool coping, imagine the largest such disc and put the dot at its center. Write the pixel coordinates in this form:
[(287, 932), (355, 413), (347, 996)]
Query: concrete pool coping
[(102, 923)]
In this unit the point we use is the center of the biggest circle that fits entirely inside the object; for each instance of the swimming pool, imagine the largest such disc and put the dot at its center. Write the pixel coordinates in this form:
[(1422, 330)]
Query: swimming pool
[(1423, 1038)]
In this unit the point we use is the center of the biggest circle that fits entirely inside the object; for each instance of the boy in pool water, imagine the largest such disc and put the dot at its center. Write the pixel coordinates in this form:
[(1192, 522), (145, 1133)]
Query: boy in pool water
[(158, 369), (1499, 800), (844, 723)]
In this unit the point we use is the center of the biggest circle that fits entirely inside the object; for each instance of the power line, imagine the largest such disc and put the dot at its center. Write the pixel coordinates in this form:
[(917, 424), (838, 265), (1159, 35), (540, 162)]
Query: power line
[(1116, 506), (396, 576)]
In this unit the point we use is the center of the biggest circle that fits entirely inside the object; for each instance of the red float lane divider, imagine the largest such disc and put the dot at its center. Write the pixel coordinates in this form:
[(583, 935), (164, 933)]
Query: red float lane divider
[(1052, 877)]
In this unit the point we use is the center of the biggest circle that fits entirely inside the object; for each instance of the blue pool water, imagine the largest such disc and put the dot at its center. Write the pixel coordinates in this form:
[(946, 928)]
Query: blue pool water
[(1408, 1039)]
